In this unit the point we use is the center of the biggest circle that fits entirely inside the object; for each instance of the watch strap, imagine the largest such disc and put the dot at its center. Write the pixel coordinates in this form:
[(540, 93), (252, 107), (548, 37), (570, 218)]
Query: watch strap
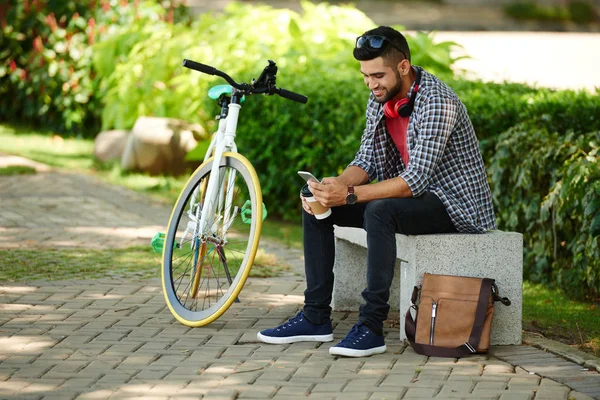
[(351, 196)]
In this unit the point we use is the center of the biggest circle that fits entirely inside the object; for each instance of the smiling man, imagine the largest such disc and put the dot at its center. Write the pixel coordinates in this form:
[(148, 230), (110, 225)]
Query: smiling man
[(420, 147)]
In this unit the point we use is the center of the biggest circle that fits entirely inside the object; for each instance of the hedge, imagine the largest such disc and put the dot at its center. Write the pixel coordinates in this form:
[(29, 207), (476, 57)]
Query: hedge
[(47, 76)]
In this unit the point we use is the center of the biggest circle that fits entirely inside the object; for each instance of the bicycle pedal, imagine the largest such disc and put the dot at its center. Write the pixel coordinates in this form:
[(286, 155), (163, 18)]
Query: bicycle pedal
[(246, 212), (158, 242)]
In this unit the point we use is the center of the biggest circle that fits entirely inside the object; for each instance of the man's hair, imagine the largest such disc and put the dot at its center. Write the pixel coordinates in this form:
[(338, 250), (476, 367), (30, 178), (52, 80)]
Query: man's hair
[(389, 53)]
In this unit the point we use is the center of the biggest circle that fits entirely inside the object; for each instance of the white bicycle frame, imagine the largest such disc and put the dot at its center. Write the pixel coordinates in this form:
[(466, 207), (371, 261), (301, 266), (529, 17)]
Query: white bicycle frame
[(223, 140), (202, 222)]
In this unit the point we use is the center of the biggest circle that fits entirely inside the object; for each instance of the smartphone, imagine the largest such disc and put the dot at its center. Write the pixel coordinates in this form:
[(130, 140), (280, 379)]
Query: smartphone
[(308, 176)]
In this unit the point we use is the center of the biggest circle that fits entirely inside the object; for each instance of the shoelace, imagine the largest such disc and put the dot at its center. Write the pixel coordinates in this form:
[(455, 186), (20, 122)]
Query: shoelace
[(294, 320), (354, 335)]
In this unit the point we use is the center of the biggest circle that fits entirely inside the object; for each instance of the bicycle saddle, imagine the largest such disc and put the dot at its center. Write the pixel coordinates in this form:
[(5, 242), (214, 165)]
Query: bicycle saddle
[(216, 92)]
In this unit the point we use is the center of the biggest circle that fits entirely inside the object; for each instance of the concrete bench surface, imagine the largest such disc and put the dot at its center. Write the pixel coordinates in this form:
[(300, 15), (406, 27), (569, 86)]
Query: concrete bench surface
[(497, 255)]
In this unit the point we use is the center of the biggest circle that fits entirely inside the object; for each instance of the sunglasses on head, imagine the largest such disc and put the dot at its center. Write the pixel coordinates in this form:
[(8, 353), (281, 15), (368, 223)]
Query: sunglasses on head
[(375, 42)]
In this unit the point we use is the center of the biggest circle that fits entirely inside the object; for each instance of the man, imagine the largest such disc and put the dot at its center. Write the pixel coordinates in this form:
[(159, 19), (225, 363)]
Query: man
[(420, 147)]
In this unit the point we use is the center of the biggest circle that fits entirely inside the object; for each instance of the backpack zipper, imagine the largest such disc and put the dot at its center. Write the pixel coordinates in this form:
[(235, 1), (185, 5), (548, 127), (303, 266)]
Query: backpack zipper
[(433, 313)]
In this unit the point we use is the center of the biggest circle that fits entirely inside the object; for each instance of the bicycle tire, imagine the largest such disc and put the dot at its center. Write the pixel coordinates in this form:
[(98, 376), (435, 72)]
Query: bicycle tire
[(214, 292)]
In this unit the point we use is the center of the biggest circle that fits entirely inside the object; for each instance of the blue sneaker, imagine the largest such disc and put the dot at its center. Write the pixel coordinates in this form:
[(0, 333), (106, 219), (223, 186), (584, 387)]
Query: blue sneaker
[(297, 329), (359, 342)]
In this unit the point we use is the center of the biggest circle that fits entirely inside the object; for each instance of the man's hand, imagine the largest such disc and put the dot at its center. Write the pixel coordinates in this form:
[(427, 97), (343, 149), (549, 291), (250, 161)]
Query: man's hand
[(330, 192), (305, 206)]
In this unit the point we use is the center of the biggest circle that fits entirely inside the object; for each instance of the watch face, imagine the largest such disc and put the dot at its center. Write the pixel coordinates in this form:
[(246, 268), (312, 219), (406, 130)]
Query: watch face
[(351, 198)]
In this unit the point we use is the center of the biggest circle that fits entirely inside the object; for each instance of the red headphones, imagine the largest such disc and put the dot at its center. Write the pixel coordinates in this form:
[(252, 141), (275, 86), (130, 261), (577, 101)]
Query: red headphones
[(403, 107)]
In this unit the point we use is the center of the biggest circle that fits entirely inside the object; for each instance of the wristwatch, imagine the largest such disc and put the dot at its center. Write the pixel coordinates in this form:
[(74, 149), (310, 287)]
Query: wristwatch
[(351, 196)]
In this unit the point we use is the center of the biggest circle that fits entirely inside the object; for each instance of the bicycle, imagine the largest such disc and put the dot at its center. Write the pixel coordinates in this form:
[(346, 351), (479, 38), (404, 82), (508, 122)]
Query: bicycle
[(214, 228)]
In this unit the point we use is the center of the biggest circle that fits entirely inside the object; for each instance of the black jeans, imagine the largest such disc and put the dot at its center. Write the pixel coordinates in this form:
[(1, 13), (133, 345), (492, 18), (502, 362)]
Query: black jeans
[(382, 219)]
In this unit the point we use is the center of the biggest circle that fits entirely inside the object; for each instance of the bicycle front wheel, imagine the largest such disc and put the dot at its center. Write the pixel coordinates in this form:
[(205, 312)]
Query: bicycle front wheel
[(204, 270)]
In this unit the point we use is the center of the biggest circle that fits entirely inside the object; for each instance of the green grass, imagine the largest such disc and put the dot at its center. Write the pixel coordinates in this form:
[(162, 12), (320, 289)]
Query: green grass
[(558, 317), (17, 170), (287, 233), (77, 154), (45, 147), (20, 265)]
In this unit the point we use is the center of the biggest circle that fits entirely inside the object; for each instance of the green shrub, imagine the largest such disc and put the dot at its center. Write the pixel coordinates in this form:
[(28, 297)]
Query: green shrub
[(578, 11), (582, 12), (532, 11), (494, 108), (46, 73), (571, 212), (530, 168)]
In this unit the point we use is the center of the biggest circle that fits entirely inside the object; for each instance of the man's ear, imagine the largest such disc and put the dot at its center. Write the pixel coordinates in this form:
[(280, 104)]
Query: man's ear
[(403, 66)]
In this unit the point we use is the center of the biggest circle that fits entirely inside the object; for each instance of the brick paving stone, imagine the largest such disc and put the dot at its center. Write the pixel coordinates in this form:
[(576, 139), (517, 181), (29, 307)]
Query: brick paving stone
[(438, 374), (329, 387), (276, 374), (421, 393), (29, 396), (220, 394), (320, 396), (170, 361), (382, 395), (31, 372), (42, 386), (517, 396), (495, 369), (62, 371), (239, 351), (258, 392), (559, 393), (296, 389), (137, 390), (493, 385), (96, 394), (155, 373), (531, 380), (574, 395), (449, 390), (397, 380), (471, 370), (24, 359), (362, 384), (60, 396), (12, 386)]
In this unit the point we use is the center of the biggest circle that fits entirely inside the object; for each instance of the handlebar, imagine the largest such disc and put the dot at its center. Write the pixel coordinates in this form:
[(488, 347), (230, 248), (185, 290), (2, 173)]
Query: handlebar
[(265, 83), (300, 98), (207, 69)]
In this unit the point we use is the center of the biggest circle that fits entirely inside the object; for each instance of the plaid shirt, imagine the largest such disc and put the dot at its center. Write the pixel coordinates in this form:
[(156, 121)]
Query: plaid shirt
[(444, 156)]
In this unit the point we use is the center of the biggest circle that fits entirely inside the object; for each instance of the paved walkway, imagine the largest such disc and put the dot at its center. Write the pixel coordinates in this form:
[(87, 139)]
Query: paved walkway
[(109, 338)]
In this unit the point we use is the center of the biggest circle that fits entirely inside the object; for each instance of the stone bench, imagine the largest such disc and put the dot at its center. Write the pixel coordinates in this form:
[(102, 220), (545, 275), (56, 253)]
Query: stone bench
[(497, 255)]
